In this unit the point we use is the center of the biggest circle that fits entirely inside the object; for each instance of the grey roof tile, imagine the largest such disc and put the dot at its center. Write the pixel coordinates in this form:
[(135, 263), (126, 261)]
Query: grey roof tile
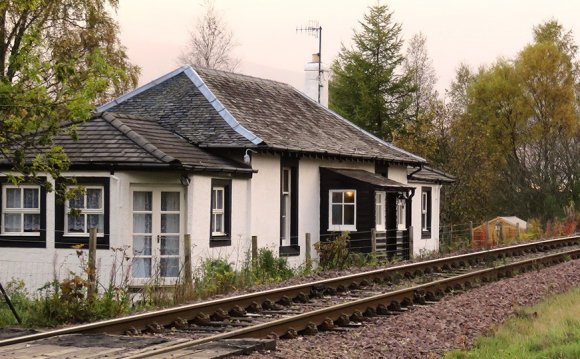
[(254, 111)]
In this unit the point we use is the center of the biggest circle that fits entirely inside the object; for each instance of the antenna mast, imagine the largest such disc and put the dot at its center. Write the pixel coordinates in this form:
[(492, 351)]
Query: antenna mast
[(314, 29)]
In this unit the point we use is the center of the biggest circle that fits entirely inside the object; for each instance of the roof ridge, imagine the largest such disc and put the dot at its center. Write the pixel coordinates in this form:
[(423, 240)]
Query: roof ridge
[(219, 107), (141, 141), (381, 141), (205, 91), (237, 74)]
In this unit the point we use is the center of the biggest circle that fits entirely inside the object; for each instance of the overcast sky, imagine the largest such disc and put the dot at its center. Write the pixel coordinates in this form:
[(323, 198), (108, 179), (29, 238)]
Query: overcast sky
[(475, 32)]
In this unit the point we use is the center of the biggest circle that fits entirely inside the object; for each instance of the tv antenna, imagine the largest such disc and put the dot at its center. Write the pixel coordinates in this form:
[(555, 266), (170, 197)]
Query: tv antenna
[(314, 29)]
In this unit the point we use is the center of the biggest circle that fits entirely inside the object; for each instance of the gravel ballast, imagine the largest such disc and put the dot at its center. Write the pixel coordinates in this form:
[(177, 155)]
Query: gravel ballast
[(430, 331)]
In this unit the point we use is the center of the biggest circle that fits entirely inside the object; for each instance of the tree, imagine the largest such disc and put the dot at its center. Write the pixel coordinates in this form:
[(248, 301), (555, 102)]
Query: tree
[(516, 134), (424, 128), (58, 59), (211, 43), (366, 84)]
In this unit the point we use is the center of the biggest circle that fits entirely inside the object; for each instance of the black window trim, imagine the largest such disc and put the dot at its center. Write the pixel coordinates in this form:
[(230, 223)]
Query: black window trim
[(30, 241), (222, 240), (68, 241), (294, 248), (426, 234)]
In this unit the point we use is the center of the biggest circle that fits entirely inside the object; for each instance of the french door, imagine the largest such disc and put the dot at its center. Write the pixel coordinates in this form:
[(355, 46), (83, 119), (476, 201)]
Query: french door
[(157, 230)]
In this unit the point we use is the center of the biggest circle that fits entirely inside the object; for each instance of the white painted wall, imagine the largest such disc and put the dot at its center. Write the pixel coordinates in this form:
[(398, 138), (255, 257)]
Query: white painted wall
[(200, 217), (425, 245), (255, 211)]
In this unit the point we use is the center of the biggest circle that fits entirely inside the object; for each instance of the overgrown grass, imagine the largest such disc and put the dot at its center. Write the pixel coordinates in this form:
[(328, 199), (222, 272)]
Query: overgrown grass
[(550, 330), (66, 301)]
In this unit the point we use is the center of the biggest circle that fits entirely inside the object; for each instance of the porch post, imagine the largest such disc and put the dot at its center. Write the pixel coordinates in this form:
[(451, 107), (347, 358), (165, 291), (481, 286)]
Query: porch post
[(410, 234)]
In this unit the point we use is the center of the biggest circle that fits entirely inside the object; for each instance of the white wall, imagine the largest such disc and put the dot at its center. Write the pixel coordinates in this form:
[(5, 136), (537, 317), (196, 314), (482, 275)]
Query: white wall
[(425, 245)]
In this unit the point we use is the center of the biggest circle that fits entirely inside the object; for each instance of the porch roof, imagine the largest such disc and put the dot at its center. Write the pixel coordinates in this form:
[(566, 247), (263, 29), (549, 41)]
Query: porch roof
[(370, 178)]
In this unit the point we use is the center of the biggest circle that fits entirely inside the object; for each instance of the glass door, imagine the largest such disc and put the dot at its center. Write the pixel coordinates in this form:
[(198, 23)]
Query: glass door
[(156, 234)]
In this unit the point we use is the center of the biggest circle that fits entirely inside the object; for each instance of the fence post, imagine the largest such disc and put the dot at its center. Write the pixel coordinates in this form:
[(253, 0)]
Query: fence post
[(307, 243), (9, 302), (373, 240), (308, 251), (187, 272), (254, 250), (451, 234), (488, 241), (410, 234), (471, 231), (92, 270)]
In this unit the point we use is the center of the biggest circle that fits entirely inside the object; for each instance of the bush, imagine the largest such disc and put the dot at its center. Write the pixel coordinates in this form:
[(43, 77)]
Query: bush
[(269, 268)]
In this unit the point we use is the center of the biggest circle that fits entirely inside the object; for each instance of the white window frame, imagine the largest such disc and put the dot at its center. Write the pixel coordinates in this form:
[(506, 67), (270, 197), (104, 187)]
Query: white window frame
[(424, 211), (401, 214), (22, 211), (342, 226), (287, 203), (85, 211), (215, 211), (380, 210)]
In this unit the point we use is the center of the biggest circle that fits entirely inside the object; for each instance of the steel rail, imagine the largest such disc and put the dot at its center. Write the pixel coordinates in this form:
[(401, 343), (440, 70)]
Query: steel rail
[(301, 321), (167, 316)]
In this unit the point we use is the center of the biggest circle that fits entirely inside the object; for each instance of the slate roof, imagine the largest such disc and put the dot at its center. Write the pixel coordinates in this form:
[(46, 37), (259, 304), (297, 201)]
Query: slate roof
[(216, 108), (368, 177), (428, 174), (129, 141)]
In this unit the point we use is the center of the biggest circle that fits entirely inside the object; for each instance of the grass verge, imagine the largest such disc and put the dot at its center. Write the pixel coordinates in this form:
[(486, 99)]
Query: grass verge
[(549, 330)]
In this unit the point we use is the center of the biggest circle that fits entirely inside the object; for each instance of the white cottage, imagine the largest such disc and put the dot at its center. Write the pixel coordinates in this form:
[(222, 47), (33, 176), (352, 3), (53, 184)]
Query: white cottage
[(220, 157)]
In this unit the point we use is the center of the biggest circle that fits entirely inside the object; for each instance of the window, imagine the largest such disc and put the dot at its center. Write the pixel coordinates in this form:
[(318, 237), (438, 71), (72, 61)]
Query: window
[(401, 214), (342, 211), (75, 216), (21, 210), (380, 214), (23, 215), (220, 213), (286, 207), (426, 212), (84, 211)]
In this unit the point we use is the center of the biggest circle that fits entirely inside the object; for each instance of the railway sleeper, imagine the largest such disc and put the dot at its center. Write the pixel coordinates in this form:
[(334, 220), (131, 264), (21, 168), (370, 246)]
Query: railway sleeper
[(326, 325), (255, 307), (311, 329)]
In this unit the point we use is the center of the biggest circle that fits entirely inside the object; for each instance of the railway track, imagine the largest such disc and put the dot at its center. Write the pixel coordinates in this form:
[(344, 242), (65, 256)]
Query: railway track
[(324, 305)]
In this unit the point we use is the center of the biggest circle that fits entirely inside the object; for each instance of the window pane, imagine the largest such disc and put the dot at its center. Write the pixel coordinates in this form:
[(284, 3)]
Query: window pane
[(348, 214), (31, 222), (141, 267), (95, 198), (31, 198), (170, 201), (169, 223), (12, 222), (286, 181), (96, 221), (336, 197), (169, 267), (142, 223), (77, 202), (218, 223), (219, 199), (142, 201), (378, 215), (336, 214), (76, 224), (169, 245), (12, 197), (349, 197), (141, 245)]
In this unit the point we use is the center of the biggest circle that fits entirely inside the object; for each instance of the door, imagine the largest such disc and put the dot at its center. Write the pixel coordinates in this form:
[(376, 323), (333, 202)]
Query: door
[(157, 233)]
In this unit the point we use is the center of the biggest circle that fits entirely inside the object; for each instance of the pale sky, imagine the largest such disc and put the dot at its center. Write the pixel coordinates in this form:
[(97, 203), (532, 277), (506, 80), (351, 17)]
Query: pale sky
[(475, 32)]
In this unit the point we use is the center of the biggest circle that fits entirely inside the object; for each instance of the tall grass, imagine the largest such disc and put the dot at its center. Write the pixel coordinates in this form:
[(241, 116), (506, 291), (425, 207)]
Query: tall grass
[(550, 330)]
